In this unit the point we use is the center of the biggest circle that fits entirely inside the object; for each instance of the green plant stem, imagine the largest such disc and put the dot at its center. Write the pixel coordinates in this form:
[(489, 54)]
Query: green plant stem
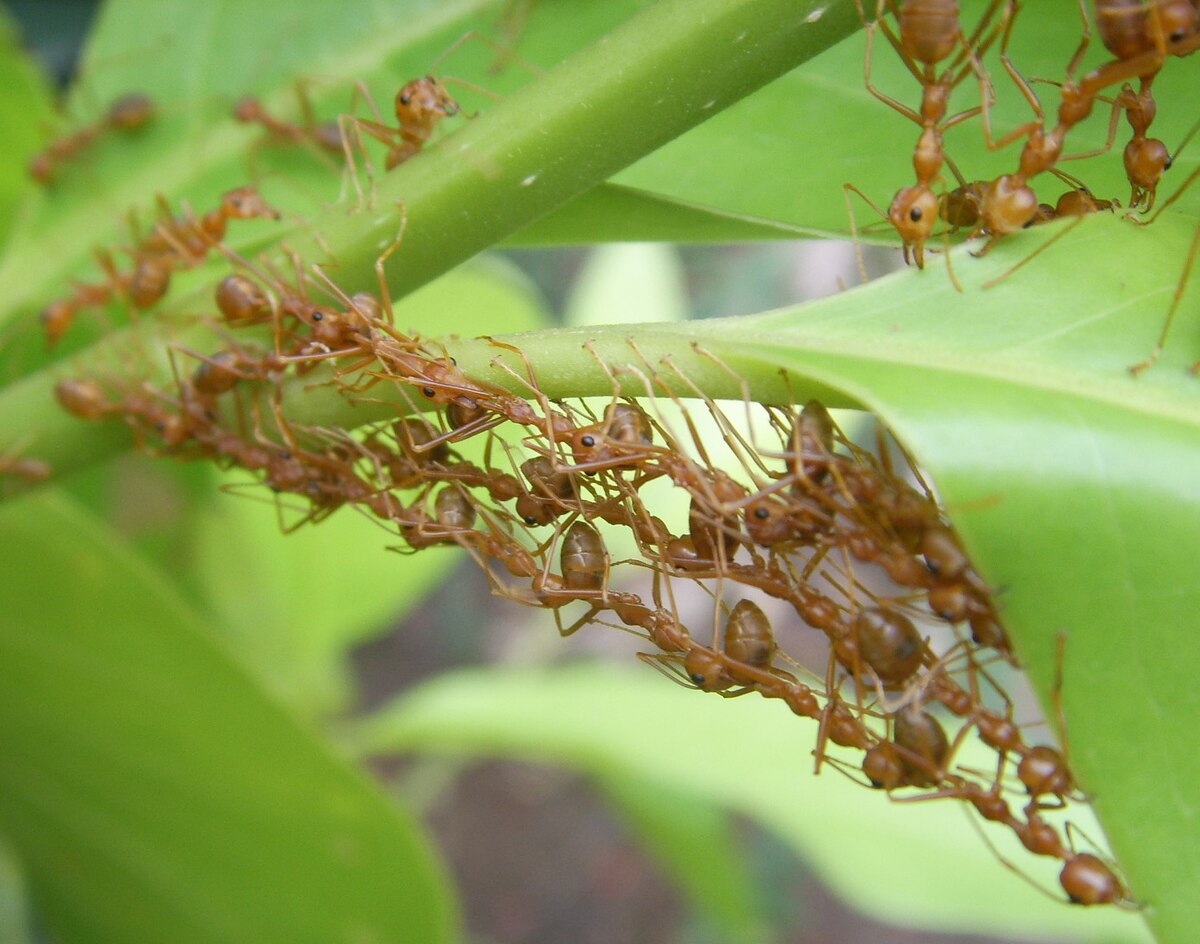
[(666, 70)]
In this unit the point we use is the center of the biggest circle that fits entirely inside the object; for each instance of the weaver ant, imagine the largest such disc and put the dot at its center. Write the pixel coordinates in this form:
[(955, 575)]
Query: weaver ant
[(930, 32), (129, 113), (324, 135)]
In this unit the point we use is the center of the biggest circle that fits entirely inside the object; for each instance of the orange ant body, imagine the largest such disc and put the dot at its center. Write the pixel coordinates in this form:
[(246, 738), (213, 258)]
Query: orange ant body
[(326, 135), (1137, 34), (187, 239), (175, 243), (128, 113), (420, 106), (930, 32), (28, 469)]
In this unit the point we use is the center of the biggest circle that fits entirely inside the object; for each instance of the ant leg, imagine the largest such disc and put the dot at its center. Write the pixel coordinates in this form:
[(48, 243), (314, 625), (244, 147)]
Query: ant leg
[(1176, 299), (1033, 255), (904, 57), (949, 264), (376, 129), (847, 189), (988, 93), (385, 295)]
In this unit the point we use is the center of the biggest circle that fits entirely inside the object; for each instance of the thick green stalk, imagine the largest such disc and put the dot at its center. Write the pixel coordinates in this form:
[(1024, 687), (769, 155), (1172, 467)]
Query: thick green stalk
[(663, 72)]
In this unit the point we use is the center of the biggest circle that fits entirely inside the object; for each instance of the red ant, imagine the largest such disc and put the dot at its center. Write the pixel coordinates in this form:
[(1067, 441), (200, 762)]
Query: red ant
[(325, 135), (930, 32), (28, 469), (128, 113), (175, 243)]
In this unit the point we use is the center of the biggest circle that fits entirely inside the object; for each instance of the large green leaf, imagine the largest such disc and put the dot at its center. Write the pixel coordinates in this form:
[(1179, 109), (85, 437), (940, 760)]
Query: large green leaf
[(1073, 483), (920, 863), (821, 122), (152, 790), (773, 166)]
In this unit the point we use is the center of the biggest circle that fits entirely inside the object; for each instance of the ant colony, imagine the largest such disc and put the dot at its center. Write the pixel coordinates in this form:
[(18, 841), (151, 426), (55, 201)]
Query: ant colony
[(785, 513)]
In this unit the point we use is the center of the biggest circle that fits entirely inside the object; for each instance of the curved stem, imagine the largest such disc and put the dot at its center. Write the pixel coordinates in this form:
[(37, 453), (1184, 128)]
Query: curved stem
[(663, 72)]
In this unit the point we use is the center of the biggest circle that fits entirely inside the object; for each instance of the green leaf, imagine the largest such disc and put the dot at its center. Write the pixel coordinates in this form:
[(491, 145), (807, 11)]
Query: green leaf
[(148, 784), (643, 280), (1072, 482), (783, 154), (918, 863), (24, 106), (291, 605)]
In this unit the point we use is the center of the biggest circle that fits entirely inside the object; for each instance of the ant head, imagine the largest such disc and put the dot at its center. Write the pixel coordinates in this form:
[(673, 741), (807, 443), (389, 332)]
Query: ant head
[(424, 101), (313, 315), (585, 442), (914, 213), (243, 203), (882, 766), (705, 670), (1176, 20), (173, 429), (247, 109), (767, 522), (132, 111)]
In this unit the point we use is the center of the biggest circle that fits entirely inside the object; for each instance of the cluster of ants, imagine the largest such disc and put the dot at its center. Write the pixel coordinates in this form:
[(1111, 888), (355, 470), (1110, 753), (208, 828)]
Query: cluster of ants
[(806, 518), (536, 491), (1140, 35)]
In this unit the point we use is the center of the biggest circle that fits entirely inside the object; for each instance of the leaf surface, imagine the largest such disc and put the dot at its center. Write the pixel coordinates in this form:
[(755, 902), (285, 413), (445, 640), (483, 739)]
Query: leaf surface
[(753, 757), (147, 783)]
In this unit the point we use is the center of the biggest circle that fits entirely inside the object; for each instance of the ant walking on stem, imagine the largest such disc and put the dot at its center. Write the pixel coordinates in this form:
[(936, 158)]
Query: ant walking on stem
[(420, 106)]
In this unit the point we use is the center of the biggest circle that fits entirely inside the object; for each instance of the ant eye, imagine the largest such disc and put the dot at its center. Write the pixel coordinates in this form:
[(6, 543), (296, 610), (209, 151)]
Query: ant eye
[(428, 391), (317, 316), (697, 679), (1179, 36), (761, 514), (405, 99), (530, 521), (915, 214), (588, 441)]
